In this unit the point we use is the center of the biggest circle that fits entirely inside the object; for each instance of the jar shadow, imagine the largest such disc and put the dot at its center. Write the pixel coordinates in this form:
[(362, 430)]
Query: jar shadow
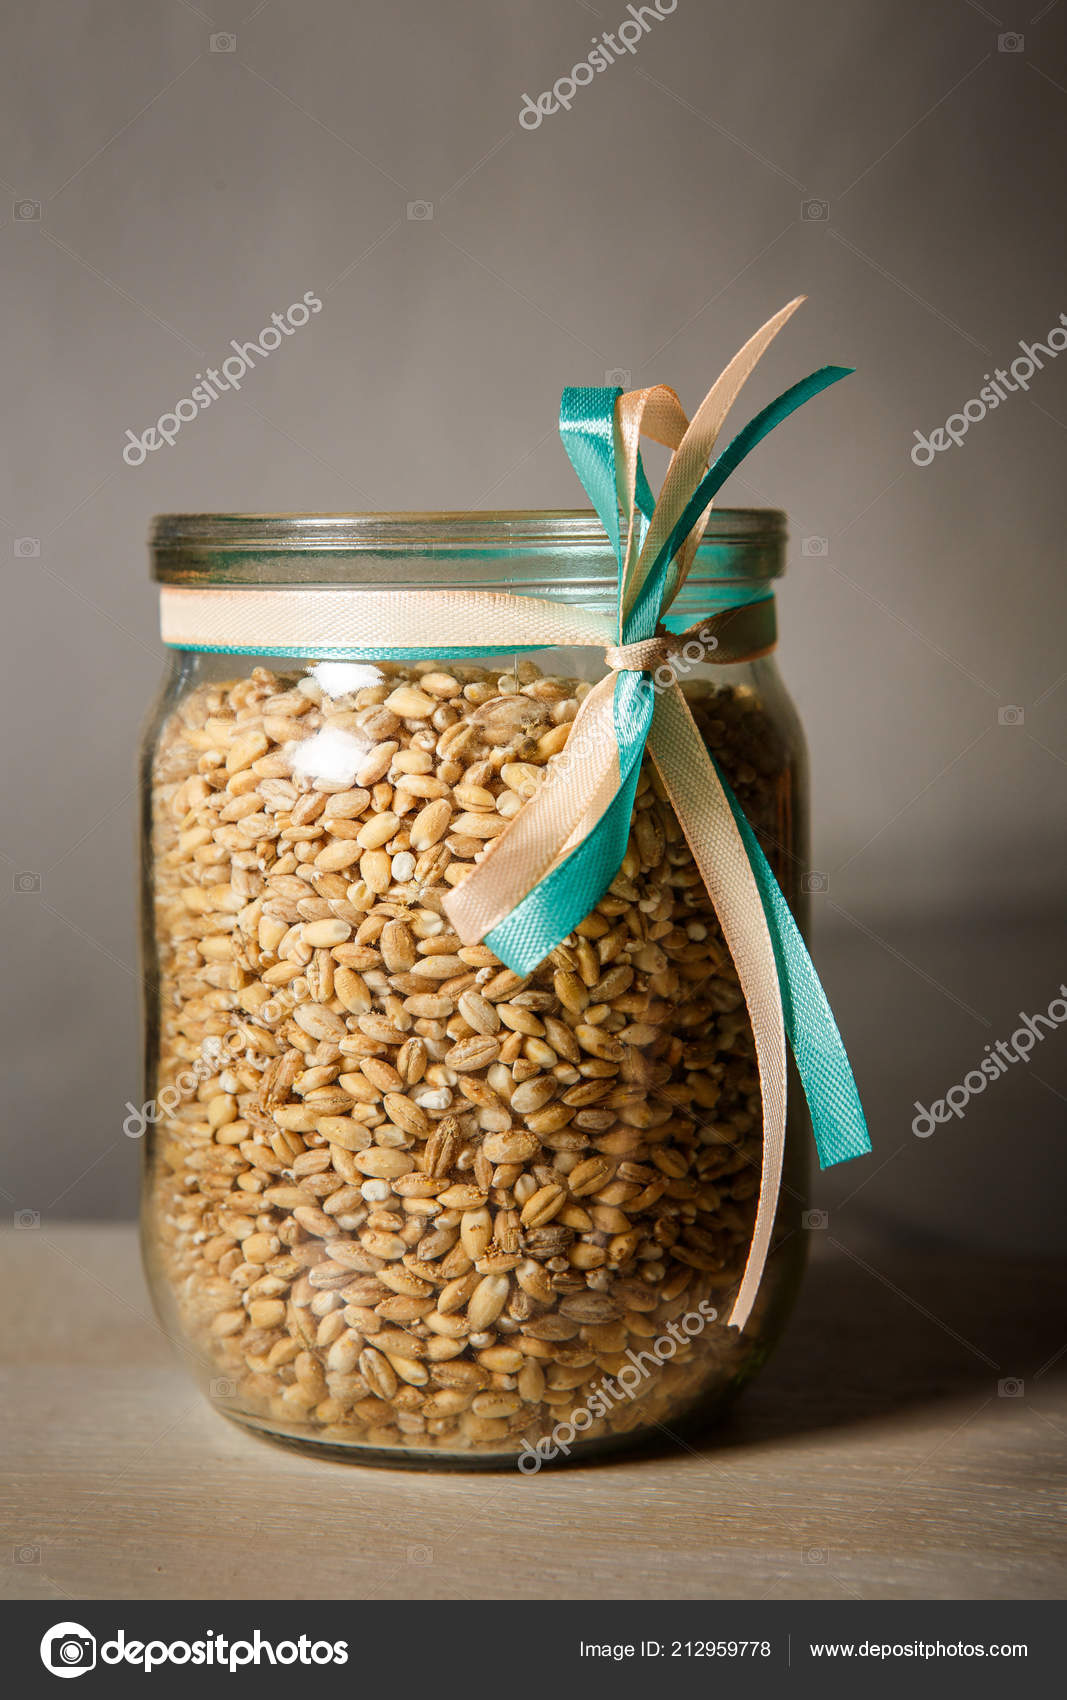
[(895, 1330)]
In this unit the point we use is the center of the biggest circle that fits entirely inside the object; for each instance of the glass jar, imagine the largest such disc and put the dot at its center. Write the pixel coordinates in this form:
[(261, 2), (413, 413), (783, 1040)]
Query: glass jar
[(401, 1205)]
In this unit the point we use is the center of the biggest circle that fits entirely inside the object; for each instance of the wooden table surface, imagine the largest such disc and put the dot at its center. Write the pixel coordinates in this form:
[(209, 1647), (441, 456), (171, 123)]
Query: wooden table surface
[(875, 1458)]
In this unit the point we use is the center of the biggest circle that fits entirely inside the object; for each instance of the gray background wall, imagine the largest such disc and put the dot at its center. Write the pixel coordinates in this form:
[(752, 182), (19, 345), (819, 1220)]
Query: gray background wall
[(901, 163)]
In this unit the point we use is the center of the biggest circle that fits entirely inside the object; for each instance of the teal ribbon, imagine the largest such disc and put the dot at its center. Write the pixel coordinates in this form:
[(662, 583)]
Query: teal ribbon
[(837, 1119), (567, 894)]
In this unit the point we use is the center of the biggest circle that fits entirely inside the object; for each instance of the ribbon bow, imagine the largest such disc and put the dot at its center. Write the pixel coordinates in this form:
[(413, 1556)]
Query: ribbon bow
[(560, 853)]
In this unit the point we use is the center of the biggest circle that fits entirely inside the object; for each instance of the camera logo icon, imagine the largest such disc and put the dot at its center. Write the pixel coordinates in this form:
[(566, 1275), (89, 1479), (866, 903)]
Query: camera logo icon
[(1010, 42), (26, 548), (817, 1555), (27, 212), (27, 1220), (223, 42), (1010, 1388), (815, 546), (1010, 715), (420, 209), (815, 882), (223, 1388), (817, 212), (26, 1555), (420, 1555), (816, 1219), (26, 882), (619, 375), (68, 1649)]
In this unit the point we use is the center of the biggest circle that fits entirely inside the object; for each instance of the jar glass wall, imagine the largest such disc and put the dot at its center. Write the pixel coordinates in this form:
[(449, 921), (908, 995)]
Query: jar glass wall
[(400, 1202)]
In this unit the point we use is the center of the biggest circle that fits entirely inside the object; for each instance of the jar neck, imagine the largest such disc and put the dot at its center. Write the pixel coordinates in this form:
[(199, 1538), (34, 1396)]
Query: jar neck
[(561, 557)]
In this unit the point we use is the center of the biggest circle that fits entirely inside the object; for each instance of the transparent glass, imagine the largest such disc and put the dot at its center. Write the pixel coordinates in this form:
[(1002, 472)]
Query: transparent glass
[(399, 1204)]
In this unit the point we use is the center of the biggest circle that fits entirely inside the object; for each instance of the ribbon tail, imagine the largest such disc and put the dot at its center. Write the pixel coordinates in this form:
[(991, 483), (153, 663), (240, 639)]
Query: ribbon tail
[(703, 810), (576, 884), (537, 880), (758, 427), (837, 1118), (566, 895), (693, 448), (647, 605)]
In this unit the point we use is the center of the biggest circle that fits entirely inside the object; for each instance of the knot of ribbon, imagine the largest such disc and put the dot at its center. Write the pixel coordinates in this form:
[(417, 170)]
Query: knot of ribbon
[(557, 857), (646, 655)]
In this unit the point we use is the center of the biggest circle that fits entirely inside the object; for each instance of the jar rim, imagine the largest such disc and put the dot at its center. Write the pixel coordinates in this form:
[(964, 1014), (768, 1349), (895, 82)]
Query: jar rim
[(444, 528), (280, 548)]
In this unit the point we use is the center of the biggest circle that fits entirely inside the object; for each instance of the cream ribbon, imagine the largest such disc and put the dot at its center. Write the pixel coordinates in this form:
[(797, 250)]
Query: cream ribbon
[(352, 623)]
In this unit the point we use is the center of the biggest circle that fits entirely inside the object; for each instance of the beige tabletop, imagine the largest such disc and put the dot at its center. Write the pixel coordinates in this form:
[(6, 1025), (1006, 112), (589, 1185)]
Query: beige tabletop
[(888, 1451)]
